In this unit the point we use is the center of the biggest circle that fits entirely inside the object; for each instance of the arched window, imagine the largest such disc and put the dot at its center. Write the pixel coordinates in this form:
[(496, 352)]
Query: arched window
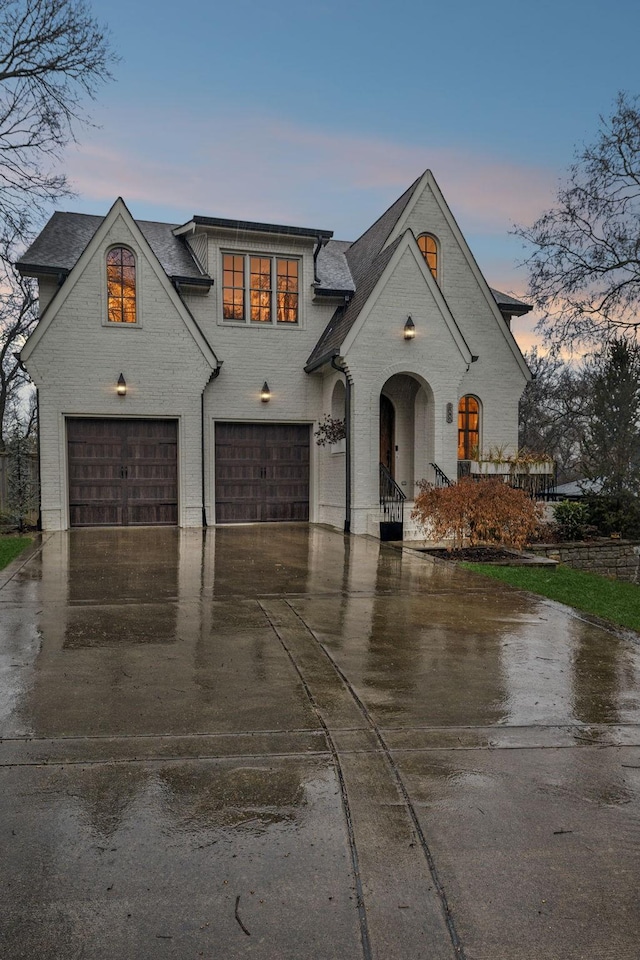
[(468, 428), (121, 286), (429, 249)]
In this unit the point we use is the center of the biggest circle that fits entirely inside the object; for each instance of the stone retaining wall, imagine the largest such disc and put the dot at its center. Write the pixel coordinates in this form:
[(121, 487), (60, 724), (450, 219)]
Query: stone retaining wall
[(609, 558)]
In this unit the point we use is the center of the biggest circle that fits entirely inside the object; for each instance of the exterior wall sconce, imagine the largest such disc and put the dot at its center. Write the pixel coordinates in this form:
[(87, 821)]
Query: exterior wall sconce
[(409, 329), (121, 386), (265, 393)]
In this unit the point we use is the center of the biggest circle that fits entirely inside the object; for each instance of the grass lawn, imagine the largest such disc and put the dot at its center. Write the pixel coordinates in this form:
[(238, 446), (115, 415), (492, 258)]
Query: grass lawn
[(610, 599), (10, 547)]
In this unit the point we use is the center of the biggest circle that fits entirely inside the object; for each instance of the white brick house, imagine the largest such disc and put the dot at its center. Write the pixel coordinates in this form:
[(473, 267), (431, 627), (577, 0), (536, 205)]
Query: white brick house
[(155, 342)]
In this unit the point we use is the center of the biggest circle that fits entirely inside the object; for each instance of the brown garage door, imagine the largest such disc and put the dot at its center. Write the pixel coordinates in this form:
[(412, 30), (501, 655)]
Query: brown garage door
[(262, 472), (122, 472)]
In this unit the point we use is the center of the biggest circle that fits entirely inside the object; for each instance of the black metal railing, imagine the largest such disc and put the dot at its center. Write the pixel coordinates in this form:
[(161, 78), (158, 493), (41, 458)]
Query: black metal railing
[(391, 498), (442, 480), (539, 486)]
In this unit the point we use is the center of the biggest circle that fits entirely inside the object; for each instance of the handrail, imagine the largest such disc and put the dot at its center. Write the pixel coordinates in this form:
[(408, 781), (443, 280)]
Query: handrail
[(392, 497), (442, 480)]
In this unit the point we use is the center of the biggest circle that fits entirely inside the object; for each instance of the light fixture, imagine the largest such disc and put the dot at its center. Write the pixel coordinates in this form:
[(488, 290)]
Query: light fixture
[(121, 386), (409, 329), (265, 393)]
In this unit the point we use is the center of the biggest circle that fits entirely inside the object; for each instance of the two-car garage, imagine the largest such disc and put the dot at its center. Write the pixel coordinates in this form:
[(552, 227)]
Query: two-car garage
[(124, 472)]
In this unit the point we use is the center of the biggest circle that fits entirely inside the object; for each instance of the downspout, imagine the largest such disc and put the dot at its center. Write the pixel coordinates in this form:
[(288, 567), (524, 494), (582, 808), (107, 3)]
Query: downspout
[(316, 251), (214, 376), (39, 526), (347, 444)]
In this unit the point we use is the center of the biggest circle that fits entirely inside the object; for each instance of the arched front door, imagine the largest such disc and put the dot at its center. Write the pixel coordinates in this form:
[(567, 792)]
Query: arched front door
[(387, 434)]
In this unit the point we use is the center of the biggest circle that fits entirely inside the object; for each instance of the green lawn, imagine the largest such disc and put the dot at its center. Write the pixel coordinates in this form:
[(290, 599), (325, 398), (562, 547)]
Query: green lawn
[(610, 599), (10, 547)]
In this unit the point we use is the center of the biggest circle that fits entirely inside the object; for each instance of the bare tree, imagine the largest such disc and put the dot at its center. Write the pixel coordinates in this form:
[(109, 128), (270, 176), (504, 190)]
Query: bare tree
[(553, 413), (584, 272), (18, 315), (53, 57)]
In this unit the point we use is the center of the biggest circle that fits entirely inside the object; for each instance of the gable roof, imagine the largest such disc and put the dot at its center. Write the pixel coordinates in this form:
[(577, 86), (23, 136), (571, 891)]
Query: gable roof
[(119, 209), (366, 248), (343, 319), (63, 239)]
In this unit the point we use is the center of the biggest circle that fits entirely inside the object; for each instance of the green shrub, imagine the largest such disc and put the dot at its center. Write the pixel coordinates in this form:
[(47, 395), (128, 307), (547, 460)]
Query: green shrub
[(572, 519), (610, 513)]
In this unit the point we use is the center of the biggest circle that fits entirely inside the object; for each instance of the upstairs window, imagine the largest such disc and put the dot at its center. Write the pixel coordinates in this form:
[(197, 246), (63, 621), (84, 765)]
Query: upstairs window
[(429, 249), (260, 289), (468, 428), (121, 286)]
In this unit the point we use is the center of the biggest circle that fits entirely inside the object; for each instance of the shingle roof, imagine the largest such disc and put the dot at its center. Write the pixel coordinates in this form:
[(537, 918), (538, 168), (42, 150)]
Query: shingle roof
[(332, 267), (367, 247), (63, 239), (344, 317)]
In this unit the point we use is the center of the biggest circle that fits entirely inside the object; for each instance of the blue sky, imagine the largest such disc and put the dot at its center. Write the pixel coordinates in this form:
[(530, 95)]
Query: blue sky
[(321, 113)]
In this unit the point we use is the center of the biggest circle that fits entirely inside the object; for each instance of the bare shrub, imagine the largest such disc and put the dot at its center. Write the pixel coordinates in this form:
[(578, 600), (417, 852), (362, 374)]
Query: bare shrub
[(477, 511)]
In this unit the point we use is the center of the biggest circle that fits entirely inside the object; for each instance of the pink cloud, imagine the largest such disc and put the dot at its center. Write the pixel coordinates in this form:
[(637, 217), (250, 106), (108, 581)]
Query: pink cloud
[(275, 170)]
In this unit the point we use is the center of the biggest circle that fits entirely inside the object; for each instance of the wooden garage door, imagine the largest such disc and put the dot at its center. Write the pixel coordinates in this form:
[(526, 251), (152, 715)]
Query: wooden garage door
[(262, 472), (122, 472)]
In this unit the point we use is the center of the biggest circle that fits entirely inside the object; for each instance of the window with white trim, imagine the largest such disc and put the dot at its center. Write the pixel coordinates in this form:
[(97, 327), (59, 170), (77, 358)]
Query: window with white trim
[(260, 289)]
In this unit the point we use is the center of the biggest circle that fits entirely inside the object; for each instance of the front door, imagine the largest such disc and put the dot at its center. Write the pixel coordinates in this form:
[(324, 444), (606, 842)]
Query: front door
[(387, 434)]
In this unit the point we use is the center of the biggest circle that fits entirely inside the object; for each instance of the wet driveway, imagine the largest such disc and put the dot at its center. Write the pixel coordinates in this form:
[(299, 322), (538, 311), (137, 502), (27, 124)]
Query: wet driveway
[(275, 742)]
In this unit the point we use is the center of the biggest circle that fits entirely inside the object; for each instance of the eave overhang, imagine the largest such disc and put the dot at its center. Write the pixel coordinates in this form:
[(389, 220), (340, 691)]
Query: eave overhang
[(250, 226), (320, 361)]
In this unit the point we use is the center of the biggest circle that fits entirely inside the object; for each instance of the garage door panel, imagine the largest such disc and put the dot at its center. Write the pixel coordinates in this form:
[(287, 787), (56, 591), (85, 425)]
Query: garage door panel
[(122, 472), (262, 472)]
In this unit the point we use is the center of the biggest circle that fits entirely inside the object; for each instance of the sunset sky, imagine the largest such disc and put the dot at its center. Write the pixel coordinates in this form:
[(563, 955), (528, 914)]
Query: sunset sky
[(321, 113)]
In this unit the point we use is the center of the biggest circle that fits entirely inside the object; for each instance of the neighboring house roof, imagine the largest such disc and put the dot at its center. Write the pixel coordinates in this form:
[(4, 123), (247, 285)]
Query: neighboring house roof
[(508, 304), (577, 488), (65, 237)]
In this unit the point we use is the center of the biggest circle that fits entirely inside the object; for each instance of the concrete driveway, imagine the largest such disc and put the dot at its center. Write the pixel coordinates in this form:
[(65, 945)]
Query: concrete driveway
[(275, 742)]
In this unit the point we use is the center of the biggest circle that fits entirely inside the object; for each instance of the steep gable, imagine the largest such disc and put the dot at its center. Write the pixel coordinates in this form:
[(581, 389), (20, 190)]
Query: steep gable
[(416, 215), (99, 233)]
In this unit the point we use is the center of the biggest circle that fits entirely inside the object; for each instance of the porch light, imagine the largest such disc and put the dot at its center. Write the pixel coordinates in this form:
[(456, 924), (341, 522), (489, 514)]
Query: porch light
[(121, 386), (265, 393), (409, 329)]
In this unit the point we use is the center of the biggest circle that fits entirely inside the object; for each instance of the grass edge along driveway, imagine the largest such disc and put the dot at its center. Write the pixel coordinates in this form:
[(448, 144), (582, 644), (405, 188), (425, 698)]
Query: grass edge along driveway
[(612, 600), (11, 547)]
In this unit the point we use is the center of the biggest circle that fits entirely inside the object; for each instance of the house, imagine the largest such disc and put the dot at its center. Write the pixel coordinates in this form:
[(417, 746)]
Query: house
[(182, 370)]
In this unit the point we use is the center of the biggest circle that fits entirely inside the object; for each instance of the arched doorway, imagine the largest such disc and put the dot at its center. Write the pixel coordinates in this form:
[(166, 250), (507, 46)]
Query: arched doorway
[(387, 434)]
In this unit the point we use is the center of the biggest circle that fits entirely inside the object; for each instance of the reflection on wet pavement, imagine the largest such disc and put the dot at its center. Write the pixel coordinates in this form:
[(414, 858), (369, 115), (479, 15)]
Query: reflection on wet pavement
[(382, 756)]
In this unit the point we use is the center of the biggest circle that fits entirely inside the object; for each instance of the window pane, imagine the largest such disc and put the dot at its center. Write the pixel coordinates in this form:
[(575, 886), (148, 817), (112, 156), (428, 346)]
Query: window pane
[(429, 250), (468, 428), (121, 286), (287, 296), (232, 287), (260, 285)]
